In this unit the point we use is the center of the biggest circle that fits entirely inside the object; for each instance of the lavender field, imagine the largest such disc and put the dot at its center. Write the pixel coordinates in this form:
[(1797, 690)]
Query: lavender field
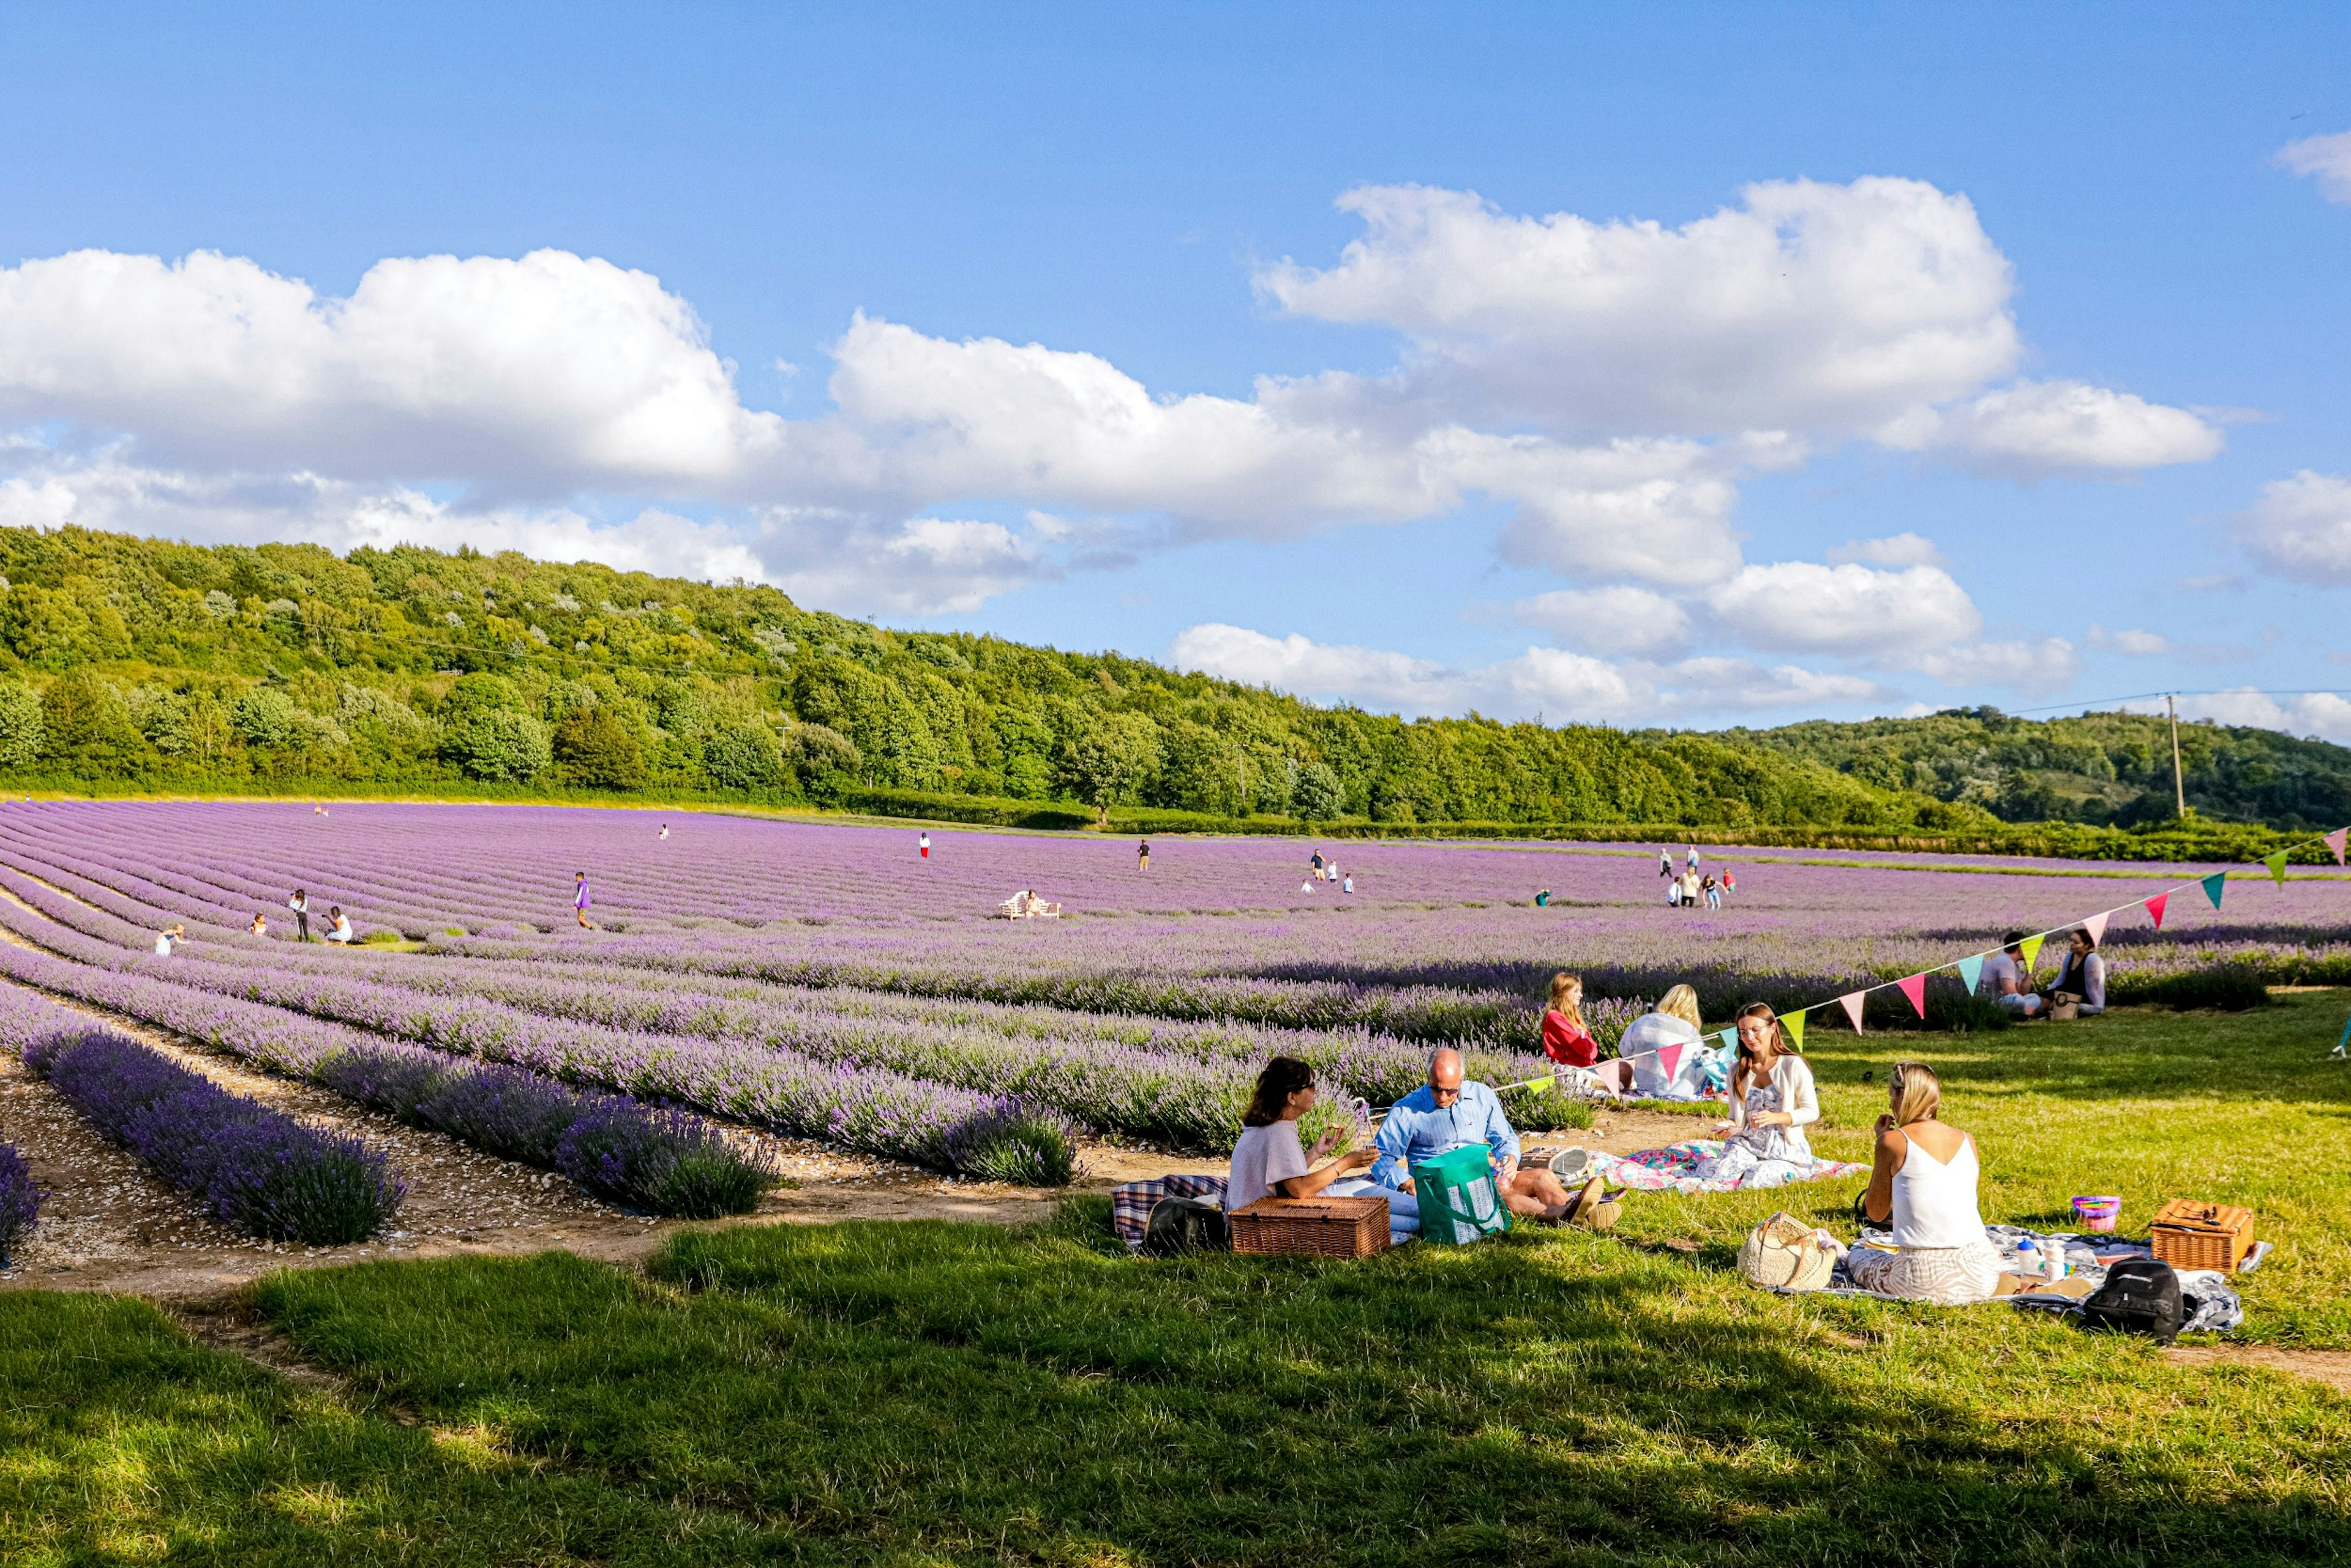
[(827, 982)]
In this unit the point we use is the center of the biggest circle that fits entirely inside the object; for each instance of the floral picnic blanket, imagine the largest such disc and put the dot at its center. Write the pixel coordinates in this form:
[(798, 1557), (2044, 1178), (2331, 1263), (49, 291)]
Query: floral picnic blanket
[(1674, 1168)]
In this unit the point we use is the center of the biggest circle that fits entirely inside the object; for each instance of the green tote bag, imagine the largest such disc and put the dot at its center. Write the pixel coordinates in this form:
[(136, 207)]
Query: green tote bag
[(1459, 1201)]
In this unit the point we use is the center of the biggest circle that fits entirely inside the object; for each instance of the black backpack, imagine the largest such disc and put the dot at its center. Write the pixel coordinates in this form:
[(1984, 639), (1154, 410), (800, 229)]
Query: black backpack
[(1185, 1225), (2141, 1295)]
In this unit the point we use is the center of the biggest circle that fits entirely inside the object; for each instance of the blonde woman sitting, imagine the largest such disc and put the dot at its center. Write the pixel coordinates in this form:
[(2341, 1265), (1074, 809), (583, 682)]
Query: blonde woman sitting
[(1923, 1181), (1676, 1022)]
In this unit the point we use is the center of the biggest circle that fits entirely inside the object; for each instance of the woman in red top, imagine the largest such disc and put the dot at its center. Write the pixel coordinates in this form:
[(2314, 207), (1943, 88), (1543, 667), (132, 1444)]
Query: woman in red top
[(1565, 1039)]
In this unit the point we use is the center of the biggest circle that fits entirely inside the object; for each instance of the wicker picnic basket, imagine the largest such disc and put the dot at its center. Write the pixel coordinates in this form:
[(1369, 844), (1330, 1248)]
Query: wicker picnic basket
[(2192, 1234), (1311, 1226)]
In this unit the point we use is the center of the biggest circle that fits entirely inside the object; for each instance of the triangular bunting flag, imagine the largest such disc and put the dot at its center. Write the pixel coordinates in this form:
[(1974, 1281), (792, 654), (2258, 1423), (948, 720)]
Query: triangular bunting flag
[(1851, 1003), (1794, 1024), (2213, 885), (1970, 971), (2096, 926), (2343, 1046), (1730, 1037), (1668, 1058), (2155, 907), (1538, 1085), (2276, 863), (1915, 987), (2336, 840), (2031, 949)]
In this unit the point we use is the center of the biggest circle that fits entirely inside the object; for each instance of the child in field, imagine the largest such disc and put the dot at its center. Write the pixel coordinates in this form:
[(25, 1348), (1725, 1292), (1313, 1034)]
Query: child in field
[(924, 842), (1349, 887), (260, 927), (580, 898), (172, 935), (665, 832)]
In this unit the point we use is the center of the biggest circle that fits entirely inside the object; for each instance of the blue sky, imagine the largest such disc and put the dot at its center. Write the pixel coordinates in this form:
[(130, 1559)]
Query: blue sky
[(1688, 366)]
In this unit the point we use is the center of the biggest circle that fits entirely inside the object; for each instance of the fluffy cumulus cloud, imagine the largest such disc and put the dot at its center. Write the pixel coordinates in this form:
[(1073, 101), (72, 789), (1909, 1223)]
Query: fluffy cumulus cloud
[(2326, 159), (2030, 668), (1621, 620), (1555, 684), (2324, 715), (2130, 640), (1895, 549), (1803, 607), (2056, 428), (2301, 528)]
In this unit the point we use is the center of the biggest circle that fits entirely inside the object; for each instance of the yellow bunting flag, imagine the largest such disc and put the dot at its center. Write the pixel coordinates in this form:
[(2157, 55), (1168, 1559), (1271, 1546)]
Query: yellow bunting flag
[(2276, 863), (2031, 949), (1794, 1024)]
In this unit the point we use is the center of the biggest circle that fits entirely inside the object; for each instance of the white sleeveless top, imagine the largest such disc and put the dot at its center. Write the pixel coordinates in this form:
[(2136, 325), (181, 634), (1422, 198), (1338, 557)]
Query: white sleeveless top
[(1934, 1203)]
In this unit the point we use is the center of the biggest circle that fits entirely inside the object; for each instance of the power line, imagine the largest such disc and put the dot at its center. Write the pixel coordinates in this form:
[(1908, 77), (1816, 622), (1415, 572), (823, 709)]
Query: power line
[(2087, 703)]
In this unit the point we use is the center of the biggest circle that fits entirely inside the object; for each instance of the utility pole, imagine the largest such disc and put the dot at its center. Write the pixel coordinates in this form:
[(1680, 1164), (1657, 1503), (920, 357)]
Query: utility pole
[(1242, 754), (2178, 784)]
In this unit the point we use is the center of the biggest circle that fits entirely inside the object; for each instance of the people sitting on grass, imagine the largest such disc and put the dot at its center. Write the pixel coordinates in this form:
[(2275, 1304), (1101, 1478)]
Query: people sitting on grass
[(1269, 1162), (1923, 1183), (1641, 1049), (2007, 981), (1772, 1101), (170, 937), (1451, 1111), (2080, 989), (339, 924)]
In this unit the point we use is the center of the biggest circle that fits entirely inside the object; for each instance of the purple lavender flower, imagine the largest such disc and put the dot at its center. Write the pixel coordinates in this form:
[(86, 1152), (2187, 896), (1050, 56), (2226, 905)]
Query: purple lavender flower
[(20, 1200)]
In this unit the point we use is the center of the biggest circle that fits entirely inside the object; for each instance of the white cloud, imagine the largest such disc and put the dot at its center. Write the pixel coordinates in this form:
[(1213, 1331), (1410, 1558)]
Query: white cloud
[(2326, 159), (923, 566), (2324, 715), (1608, 619), (1656, 511), (2301, 528), (2129, 641), (1806, 306), (1561, 687), (1896, 549), (2032, 669), (1803, 607), (2036, 428)]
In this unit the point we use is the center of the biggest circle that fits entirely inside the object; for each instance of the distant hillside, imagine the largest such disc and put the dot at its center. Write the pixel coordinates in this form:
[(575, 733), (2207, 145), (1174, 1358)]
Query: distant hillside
[(134, 664), (2108, 769)]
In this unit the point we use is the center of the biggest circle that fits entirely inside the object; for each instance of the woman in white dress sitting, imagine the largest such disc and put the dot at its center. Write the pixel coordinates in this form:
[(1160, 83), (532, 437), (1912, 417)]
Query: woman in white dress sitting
[(1923, 1181), (1772, 1101)]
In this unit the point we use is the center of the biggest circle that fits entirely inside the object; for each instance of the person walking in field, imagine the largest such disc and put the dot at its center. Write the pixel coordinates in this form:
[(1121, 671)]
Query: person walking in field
[(1317, 864), (580, 898), (300, 905), (665, 832), (1693, 858), (1665, 863), (1143, 855), (923, 843)]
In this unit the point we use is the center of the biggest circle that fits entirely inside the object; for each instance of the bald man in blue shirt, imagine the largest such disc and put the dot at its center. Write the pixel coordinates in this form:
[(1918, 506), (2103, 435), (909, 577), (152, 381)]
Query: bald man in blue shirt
[(1449, 1112)]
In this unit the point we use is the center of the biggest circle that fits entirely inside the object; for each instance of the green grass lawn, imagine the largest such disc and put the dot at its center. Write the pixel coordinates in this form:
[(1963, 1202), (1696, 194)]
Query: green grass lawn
[(920, 1393)]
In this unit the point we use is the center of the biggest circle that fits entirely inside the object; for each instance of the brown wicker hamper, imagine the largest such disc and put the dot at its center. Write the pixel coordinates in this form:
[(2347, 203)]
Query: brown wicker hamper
[(1311, 1226), (2190, 1234)]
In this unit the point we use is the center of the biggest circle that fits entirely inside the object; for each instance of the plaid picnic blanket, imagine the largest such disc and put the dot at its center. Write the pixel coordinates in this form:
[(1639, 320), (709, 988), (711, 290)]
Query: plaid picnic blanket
[(1130, 1205), (1674, 1168)]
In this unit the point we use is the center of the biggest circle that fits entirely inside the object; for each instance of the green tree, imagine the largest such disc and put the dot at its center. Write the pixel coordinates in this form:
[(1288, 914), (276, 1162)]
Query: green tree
[(594, 748), (825, 761), (738, 754), (500, 746), (23, 734), (1317, 796), (1109, 761), (264, 716)]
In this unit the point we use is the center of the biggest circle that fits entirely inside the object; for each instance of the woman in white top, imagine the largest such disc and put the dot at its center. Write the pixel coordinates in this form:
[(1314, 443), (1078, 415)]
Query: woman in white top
[(1269, 1162), (1924, 1182), (1772, 1101), (172, 935), (1676, 1022), (339, 928)]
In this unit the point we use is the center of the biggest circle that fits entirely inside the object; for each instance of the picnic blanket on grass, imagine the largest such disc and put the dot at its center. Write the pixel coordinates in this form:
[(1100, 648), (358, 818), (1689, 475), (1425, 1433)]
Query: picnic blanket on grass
[(2209, 1303), (1674, 1168)]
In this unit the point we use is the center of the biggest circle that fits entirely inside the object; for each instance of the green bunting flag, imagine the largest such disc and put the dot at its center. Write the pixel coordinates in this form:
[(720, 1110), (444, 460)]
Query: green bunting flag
[(2276, 863), (1794, 1024), (2213, 885)]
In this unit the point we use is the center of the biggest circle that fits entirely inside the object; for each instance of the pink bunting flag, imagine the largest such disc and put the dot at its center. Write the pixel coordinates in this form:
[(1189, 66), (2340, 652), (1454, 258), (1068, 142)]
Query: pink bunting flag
[(2155, 907), (1851, 1001), (2096, 926), (1915, 987), (2335, 841), (1668, 1058)]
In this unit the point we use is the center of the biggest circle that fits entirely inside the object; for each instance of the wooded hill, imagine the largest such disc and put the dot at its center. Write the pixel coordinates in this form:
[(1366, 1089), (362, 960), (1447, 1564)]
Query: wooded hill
[(129, 663)]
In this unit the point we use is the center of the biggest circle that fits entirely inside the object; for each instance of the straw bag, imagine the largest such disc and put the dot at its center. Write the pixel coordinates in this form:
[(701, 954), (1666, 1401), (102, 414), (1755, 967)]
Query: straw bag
[(1782, 1254)]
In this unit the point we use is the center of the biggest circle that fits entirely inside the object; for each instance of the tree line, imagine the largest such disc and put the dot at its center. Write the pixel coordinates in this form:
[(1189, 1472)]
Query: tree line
[(128, 662)]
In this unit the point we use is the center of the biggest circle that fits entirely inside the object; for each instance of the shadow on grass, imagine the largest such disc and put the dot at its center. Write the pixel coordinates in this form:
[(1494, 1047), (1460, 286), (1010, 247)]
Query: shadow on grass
[(914, 1391)]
